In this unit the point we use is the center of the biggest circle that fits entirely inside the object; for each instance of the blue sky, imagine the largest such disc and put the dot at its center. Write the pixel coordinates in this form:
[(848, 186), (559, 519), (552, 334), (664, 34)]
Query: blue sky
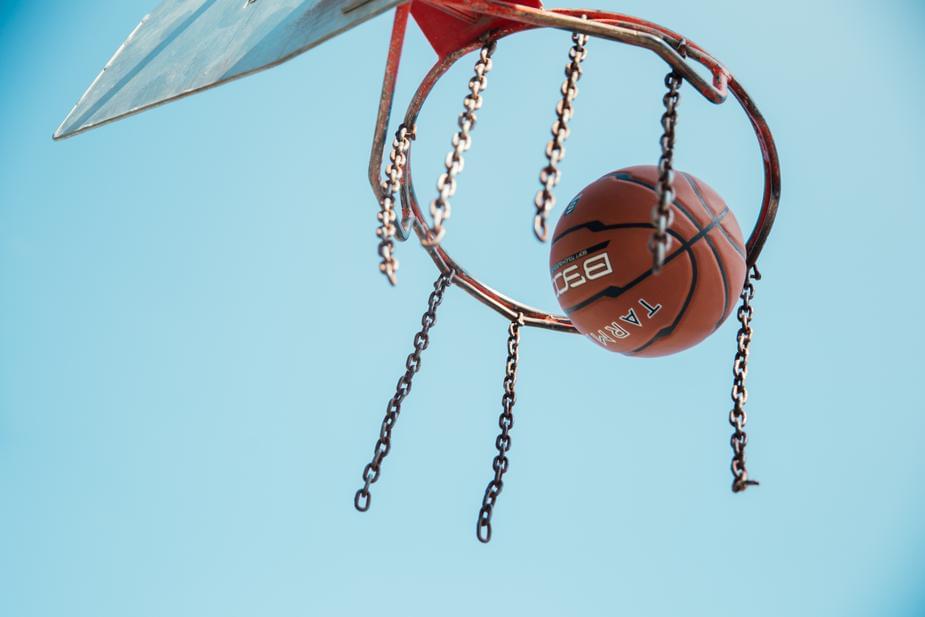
[(196, 347)]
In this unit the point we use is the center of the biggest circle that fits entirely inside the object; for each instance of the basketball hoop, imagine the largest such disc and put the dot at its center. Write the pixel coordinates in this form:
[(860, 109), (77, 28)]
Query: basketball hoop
[(488, 22), (186, 46)]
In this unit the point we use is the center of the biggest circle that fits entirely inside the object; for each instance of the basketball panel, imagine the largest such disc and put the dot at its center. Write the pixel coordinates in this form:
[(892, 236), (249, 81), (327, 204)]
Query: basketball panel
[(628, 319), (730, 226)]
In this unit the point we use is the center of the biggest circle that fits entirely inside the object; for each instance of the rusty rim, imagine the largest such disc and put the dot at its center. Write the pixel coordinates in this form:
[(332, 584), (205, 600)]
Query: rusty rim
[(601, 24)]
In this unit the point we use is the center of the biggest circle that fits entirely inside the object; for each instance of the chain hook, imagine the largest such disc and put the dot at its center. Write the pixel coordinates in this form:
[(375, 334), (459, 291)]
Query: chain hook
[(545, 199), (394, 173), (737, 416), (662, 213), (372, 471), (440, 207), (501, 462)]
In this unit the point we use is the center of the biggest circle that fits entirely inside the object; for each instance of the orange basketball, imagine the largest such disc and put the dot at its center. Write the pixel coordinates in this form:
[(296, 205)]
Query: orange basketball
[(601, 265)]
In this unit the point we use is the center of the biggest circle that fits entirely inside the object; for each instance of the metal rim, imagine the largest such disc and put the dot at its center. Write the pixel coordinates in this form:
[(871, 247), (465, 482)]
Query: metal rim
[(604, 24)]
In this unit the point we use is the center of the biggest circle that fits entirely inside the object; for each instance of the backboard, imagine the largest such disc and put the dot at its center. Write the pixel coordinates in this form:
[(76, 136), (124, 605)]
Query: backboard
[(185, 46)]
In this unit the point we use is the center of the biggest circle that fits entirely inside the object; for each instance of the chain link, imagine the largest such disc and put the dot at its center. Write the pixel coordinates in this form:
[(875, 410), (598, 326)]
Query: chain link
[(555, 150), (662, 214), (738, 417), (412, 365), (503, 441), (390, 185), (440, 208)]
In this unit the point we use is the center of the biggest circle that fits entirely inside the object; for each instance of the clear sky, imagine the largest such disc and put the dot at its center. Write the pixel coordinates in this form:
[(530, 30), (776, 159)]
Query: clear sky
[(196, 348)]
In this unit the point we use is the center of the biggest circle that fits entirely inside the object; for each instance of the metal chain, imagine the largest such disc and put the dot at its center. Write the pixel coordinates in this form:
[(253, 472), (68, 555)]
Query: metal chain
[(440, 208), (662, 214), (390, 185), (412, 365), (503, 441), (555, 149), (738, 417)]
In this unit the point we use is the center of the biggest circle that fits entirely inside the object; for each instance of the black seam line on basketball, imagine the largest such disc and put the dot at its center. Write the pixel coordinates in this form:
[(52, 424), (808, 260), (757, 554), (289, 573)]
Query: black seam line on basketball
[(684, 209), (677, 203), (722, 275), (597, 226), (719, 262), (614, 292), (699, 192), (626, 177), (667, 330)]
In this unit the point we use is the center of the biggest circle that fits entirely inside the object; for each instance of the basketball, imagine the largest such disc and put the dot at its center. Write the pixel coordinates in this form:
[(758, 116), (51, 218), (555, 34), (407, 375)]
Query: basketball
[(601, 265)]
